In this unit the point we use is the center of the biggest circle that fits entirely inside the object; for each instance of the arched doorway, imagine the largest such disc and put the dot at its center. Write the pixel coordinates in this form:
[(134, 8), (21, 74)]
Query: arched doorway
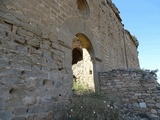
[(67, 32), (82, 62)]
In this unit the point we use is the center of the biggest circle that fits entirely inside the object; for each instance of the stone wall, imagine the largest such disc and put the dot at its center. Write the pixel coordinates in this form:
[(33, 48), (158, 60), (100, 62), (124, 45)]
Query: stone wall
[(136, 89), (36, 51), (131, 51)]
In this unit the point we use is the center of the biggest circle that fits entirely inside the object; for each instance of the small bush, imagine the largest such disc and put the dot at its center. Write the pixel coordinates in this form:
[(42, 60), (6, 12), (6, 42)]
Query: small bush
[(149, 73), (79, 89), (91, 106)]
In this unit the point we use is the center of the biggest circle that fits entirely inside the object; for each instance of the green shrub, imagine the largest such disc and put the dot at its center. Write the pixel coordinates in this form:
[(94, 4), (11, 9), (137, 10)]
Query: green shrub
[(80, 89)]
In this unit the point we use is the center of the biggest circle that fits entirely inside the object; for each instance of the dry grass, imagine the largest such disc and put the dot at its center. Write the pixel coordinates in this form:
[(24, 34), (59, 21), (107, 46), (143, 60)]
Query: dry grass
[(87, 105)]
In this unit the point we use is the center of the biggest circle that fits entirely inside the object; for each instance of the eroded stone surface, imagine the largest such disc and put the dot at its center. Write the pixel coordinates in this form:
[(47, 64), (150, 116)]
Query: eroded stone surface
[(36, 52), (134, 94)]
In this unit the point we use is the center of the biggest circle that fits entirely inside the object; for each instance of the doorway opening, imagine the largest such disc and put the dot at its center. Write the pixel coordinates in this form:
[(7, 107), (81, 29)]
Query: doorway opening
[(82, 64)]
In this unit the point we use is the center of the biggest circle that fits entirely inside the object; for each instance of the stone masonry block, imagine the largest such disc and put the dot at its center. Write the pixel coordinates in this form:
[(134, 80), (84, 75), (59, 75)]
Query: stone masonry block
[(22, 49), (9, 71), (33, 42), (45, 31), (20, 111), (19, 118), (47, 98), (36, 109), (21, 65), (31, 28), (11, 19), (4, 91), (24, 4), (3, 34), (30, 117), (158, 105), (32, 2), (1, 104), (35, 74), (55, 45), (13, 102), (143, 105), (20, 39), (49, 106), (3, 8), (23, 32), (19, 15), (5, 115), (4, 62), (45, 45), (4, 26), (42, 116)]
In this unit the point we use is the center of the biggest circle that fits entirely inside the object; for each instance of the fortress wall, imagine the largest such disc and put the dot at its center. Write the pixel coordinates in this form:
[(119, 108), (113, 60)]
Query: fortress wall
[(36, 52), (135, 90)]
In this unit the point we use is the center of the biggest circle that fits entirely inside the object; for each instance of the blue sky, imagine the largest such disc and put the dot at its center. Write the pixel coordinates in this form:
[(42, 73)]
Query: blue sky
[(142, 19)]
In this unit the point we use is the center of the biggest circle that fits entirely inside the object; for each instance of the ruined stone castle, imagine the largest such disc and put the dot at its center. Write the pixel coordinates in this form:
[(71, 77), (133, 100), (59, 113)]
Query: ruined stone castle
[(45, 44)]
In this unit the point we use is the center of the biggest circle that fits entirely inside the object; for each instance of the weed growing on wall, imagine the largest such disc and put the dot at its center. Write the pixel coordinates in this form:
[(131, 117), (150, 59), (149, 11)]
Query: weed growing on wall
[(80, 89), (149, 73)]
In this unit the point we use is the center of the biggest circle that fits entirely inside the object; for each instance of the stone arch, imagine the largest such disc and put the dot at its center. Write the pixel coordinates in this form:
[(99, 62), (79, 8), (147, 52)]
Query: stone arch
[(77, 27), (82, 62)]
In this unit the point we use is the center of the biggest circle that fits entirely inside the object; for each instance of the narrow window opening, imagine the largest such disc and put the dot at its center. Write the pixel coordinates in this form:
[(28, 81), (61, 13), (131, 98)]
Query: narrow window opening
[(83, 8)]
